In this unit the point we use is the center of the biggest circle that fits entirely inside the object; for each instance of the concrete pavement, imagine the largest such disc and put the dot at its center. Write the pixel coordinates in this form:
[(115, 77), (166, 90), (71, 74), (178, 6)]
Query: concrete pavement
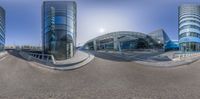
[(106, 77)]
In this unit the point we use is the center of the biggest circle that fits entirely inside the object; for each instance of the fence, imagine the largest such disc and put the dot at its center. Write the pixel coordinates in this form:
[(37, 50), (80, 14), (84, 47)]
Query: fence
[(186, 55), (43, 57), (39, 57)]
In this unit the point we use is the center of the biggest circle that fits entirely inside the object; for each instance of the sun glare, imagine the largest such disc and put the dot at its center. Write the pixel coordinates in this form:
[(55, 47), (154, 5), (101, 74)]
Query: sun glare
[(102, 30)]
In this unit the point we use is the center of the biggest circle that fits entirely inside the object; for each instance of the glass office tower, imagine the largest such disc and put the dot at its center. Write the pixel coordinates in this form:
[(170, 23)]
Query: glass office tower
[(59, 28), (189, 27), (2, 29)]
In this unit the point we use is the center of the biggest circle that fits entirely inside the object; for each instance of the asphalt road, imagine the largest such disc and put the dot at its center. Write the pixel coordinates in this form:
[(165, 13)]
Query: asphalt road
[(106, 77)]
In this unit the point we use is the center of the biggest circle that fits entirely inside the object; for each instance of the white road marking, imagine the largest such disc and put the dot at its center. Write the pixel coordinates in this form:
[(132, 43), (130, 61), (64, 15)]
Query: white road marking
[(3, 58)]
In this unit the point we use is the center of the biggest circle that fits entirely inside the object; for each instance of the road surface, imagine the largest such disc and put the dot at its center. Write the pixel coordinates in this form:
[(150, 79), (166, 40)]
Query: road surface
[(105, 77)]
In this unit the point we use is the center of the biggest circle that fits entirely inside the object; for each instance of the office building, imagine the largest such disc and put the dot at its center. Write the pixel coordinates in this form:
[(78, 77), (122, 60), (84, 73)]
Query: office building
[(189, 27), (129, 41), (59, 28), (2, 29)]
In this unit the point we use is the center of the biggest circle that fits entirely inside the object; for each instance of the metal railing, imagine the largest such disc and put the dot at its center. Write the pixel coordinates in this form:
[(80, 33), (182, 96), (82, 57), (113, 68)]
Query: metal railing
[(43, 57), (182, 55)]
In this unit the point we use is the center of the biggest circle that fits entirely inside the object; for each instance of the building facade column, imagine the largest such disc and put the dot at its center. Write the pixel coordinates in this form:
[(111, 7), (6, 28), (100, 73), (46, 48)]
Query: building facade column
[(95, 45), (116, 44)]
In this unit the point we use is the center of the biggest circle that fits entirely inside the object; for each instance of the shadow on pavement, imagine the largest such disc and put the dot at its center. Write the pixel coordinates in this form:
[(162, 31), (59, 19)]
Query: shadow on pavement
[(147, 57), (108, 56), (16, 54)]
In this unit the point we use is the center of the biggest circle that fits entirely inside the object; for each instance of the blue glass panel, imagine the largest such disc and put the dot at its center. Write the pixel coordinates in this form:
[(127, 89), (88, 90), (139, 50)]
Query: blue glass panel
[(189, 39), (60, 20)]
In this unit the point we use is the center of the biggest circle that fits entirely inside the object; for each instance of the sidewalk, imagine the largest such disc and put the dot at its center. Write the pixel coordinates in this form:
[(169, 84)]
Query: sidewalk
[(3, 54), (78, 60), (168, 63), (152, 59)]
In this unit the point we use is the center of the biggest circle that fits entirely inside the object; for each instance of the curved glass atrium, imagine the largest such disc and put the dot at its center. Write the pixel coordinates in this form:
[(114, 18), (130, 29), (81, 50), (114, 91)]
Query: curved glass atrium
[(129, 41)]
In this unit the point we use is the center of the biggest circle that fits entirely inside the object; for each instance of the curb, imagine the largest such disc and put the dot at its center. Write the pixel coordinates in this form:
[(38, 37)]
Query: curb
[(168, 64), (3, 54), (78, 65), (62, 67), (89, 59), (74, 63)]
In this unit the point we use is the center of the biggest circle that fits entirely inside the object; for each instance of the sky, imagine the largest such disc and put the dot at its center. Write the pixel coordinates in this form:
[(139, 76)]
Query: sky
[(94, 18)]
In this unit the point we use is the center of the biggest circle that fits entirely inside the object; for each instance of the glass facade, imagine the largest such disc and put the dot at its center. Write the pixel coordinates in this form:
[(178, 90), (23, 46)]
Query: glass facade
[(59, 28), (172, 45), (189, 27), (160, 37), (128, 45), (107, 43), (2, 29), (125, 41)]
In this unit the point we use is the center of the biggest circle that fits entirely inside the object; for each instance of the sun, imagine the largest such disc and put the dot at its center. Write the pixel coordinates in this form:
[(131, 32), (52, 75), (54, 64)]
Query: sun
[(101, 30)]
